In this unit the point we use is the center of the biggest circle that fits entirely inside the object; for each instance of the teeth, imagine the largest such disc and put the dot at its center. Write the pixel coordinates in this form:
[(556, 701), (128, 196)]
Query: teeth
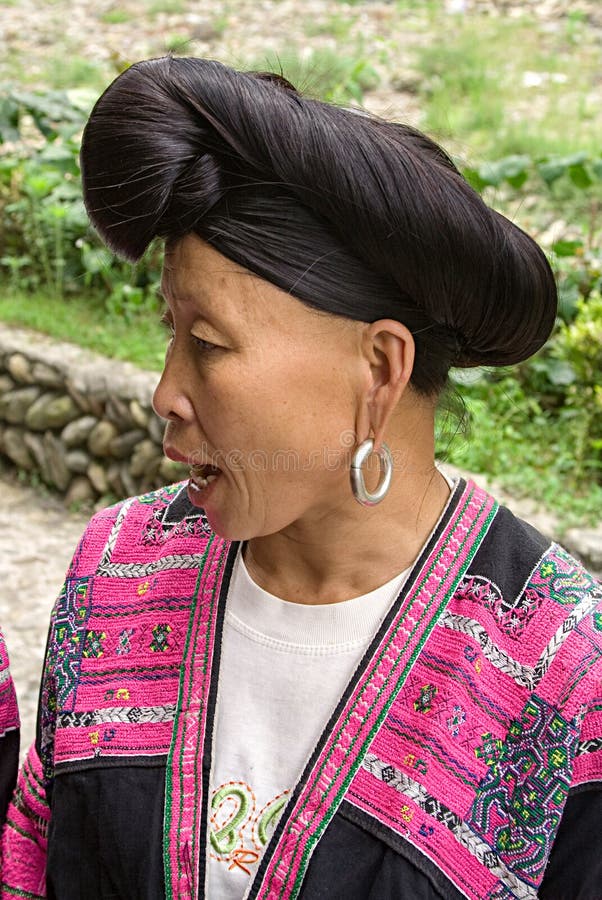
[(200, 481)]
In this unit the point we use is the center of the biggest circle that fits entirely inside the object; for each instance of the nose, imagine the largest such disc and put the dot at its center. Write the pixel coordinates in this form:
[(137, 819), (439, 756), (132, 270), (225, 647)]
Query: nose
[(170, 400)]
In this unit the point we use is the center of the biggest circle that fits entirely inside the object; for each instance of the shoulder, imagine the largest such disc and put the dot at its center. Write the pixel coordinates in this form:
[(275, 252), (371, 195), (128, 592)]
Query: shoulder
[(526, 588), (120, 621), (535, 614), (140, 527), (124, 549)]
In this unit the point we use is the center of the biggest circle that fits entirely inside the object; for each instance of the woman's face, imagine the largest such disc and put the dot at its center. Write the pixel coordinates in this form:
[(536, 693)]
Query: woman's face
[(262, 387)]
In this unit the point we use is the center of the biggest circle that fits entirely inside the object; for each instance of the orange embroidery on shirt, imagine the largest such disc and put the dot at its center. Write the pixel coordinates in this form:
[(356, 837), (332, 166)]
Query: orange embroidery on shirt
[(234, 825), (241, 856)]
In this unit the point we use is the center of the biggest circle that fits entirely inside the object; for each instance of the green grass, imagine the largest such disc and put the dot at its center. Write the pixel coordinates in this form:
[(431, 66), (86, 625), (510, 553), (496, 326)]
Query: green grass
[(179, 43), (495, 86), (529, 451), (169, 7), (116, 16), (336, 26), (62, 70), (139, 339), (220, 24), (324, 73)]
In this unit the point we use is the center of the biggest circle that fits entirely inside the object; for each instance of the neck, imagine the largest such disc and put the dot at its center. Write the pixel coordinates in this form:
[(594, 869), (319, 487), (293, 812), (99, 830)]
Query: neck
[(344, 550)]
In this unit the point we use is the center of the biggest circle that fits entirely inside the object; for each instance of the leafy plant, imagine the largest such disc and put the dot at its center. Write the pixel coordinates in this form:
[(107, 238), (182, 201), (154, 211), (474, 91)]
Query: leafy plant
[(578, 348), (45, 237), (582, 169)]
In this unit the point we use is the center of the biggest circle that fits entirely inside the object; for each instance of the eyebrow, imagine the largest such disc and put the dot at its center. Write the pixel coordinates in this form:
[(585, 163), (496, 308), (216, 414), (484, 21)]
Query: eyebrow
[(216, 322)]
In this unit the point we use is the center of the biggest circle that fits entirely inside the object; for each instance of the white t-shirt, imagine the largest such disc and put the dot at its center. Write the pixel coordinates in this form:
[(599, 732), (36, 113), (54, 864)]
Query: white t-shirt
[(283, 669)]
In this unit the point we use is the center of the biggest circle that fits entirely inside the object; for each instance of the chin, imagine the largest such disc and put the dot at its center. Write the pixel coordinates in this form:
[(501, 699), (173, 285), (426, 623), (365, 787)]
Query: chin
[(237, 530), (228, 529)]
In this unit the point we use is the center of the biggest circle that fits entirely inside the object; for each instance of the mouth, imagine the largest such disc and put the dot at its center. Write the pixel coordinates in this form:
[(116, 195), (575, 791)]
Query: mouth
[(201, 476)]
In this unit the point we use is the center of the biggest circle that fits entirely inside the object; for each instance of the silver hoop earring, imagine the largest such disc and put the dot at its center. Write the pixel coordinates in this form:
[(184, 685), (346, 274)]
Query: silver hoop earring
[(358, 485)]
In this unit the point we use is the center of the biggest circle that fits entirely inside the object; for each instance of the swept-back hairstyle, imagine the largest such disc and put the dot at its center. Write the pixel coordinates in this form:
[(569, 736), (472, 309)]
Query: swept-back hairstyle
[(351, 214)]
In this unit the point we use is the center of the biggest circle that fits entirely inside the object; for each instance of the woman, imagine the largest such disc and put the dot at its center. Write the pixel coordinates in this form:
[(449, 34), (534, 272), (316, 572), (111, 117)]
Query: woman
[(9, 731), (300, 675)]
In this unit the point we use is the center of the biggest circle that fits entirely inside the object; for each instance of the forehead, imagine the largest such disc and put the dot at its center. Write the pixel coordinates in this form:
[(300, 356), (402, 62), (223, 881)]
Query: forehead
[(200, 281), (194, 271)]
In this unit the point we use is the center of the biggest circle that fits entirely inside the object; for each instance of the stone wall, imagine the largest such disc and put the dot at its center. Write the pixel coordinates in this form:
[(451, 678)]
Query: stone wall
[(80, 422)]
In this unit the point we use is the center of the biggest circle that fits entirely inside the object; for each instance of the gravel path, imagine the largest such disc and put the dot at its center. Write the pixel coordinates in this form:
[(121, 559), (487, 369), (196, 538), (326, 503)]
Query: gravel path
[(38, 539)]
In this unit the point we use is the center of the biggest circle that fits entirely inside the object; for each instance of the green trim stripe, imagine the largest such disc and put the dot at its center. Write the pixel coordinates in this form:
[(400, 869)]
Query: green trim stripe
[(7, 890), (167, 815), (375, 663), (314, 838)]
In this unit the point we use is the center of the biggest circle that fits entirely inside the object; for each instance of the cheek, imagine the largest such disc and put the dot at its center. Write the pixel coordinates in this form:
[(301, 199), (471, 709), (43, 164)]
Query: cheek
[(267, 412)]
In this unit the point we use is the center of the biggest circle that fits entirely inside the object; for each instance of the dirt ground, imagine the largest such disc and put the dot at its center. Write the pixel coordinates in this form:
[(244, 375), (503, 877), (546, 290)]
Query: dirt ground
[(38, 539)]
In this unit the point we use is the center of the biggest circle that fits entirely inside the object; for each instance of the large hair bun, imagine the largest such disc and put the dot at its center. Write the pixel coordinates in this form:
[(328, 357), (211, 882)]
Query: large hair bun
[(180, 145)]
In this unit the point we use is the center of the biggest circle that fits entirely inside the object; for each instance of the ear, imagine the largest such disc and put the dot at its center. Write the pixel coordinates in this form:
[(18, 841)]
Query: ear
[(388, 348)]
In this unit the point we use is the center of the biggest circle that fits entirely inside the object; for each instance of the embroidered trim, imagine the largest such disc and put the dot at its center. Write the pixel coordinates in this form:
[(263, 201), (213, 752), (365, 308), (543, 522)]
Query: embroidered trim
[(323, 789), (523, 768), (127, 715), (526, 676), (182, 848)]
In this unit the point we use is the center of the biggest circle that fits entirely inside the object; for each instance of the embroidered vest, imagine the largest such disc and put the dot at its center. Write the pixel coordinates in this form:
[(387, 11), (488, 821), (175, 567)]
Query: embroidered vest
[(470, 716)]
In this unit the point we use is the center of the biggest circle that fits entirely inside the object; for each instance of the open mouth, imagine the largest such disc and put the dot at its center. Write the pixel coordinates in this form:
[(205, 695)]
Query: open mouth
[(203, 475)]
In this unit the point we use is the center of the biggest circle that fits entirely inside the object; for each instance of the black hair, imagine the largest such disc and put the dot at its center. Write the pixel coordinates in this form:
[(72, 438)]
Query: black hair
[(349, 213)]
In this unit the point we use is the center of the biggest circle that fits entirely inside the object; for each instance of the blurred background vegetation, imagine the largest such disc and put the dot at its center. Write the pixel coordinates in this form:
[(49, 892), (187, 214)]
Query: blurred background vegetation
[(511, 89)]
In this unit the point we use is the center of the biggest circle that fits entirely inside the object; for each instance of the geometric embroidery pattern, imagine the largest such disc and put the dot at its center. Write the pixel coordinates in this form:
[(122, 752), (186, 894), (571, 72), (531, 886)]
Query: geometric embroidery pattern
[(159, 643), (425, 699), (592, 745), (560, 577), (457, 718), (527, 676), (65, 652), (523, 675), (128, 715), (166, 522), (461, 830), (103, 650), (557, 575), (93, 646), (518, 812), (125, 645), (9, 710), (490, 750), (512, 618)]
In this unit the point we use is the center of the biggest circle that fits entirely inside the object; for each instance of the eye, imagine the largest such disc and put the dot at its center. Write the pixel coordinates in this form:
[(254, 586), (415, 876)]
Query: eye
[(165, 320), (203, 346)]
